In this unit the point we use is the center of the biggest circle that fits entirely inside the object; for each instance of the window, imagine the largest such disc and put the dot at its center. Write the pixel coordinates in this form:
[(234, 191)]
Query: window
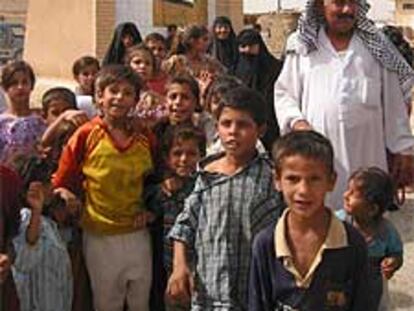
[(408, 6)]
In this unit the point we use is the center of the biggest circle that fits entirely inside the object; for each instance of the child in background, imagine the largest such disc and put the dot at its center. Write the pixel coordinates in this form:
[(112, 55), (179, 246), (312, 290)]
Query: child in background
[(157, 44), (150, 107), (42, 268), (369, 194), (20, 128), (232, 200), (84, 72), (181, 149), (107, 160), (308, 260)]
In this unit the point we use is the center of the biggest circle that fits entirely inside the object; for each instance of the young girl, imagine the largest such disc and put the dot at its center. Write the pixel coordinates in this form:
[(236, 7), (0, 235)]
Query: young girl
[(369, 195), (42, 268), (181, 149), (20, 128), (150, 106)]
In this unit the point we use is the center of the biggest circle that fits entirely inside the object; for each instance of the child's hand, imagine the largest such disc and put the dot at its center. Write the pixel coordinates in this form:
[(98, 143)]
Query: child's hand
[(71, 202), (4, 267), (180, 285), (170, 185), (389, 266), (142, 219), (75, 117), (36, 196)]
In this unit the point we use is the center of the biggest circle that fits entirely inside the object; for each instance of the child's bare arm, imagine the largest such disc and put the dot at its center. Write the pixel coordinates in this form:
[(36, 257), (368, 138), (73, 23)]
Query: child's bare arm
[(74, 117), (35, 198), (180, 285), (389, 265)]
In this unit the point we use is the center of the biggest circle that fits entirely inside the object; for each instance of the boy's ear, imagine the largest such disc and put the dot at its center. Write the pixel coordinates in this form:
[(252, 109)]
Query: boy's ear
[(334, 177), (262, 130), (276, 181)]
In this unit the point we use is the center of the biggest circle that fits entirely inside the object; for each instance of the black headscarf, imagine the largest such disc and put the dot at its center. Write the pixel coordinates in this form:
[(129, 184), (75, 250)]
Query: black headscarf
[(225, 51), (116, 51), (260, 72)]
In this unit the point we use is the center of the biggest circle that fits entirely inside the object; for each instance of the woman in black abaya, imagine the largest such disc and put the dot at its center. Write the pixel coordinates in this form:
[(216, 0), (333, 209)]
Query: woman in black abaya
[(259, 70)]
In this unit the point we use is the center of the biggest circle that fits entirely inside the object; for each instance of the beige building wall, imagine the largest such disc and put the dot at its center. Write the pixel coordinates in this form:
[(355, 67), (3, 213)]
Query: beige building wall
[(233, 9), (166, 12)]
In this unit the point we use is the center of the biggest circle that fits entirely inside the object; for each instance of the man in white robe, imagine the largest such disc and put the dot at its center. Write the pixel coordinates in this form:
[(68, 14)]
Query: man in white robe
[(343, 79)]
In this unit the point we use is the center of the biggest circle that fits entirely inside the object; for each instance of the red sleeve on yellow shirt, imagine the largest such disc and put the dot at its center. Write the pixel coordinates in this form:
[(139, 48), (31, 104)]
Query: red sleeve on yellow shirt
[(69, 172)]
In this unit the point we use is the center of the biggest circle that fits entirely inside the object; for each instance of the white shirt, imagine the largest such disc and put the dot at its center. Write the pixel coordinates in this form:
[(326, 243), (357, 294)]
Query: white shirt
[(340, 96)]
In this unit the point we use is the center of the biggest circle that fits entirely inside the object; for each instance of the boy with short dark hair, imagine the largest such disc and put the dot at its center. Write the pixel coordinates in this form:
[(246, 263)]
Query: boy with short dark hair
[(107, 160), (309, 260), (232, 200)]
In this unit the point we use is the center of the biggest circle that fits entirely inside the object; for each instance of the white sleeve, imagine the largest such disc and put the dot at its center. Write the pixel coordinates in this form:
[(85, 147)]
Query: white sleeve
[(398, 136), (288, 93)]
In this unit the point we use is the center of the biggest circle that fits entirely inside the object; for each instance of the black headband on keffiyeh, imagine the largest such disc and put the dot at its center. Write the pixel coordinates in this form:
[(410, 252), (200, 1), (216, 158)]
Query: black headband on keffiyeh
[(374, 40)]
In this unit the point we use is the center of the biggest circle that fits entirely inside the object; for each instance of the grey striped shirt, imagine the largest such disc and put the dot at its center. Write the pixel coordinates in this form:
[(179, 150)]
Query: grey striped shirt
[(221, 218)]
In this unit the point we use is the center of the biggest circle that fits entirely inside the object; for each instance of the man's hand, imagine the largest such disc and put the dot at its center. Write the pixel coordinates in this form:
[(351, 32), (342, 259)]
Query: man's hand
[(301, 125), (180, 285), (390, 265)]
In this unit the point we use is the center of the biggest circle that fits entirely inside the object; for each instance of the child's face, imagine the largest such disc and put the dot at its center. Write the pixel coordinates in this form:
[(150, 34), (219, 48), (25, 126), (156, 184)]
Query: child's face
[(304, 183), (180, 103), (183, 157), (158, 49), (117, 99), (86, 78), (142, 65), (238, 132), (20, 88), (56, 108), (200, 45), (354, 201)]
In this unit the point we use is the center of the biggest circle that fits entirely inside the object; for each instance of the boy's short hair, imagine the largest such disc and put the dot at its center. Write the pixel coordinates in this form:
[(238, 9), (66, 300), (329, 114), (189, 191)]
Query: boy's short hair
[(11, 69), (83, 62), (183, 132), (171, 27), (58, 93), (155, 36), (246, 99), (309, 144), (116, 73), (220, 86), (188, 80)]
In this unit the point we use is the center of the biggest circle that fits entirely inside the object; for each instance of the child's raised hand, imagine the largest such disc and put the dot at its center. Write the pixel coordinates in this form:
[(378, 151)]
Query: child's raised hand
[(390, 265), (180, 285), (36, 196), (75, 117), (71, 202)]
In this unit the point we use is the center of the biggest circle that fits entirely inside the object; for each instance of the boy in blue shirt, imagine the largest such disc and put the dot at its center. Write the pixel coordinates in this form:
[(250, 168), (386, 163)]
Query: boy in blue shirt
[(309, 260)]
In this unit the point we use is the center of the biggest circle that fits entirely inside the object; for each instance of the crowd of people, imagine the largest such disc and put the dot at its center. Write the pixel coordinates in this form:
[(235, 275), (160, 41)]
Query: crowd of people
[(199, 172)]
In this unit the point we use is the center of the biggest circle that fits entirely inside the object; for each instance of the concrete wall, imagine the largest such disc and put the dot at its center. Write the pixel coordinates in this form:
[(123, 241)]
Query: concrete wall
[(404, 17), (58, 32), (168, 12)]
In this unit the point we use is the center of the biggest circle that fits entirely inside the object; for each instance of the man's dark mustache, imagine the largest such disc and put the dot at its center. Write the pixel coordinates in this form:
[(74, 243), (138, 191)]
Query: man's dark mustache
[(346, 16)]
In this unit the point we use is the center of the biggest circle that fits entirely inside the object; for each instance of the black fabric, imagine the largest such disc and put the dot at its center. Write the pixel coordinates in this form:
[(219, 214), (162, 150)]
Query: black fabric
[(116, 51), (260, 73), (225, 51)]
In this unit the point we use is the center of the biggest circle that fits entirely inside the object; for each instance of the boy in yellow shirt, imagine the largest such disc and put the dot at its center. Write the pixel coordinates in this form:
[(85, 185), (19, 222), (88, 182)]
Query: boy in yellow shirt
[(107, 160)]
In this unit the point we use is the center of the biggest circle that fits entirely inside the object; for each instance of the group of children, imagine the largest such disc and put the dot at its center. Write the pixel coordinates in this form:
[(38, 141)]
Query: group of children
[(160, 181)]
